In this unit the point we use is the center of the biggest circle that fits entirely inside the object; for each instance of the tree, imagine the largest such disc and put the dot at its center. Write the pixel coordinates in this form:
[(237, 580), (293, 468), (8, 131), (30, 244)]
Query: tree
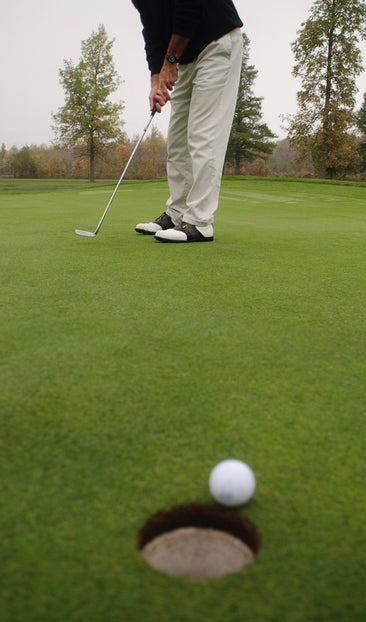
[(328, 60), (22, 164), (4, 160), (248, 138), (361, 124), (150, 162), (88, 121)]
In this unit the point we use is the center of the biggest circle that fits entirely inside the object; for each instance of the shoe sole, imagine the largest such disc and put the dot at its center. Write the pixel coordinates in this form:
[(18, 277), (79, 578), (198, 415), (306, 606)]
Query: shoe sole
[(183, 241), (145, 232)]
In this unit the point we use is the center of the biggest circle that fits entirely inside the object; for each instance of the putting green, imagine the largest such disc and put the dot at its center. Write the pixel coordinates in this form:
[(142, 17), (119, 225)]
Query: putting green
[(130, 368)]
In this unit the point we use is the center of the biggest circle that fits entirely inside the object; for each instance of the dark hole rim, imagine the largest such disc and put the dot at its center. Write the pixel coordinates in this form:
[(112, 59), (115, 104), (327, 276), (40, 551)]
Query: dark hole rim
[(204, 517)]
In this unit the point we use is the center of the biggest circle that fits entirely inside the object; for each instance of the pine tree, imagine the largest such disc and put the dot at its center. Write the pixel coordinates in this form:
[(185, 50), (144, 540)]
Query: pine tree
[(248, 138), (328, 60), (88, 121)]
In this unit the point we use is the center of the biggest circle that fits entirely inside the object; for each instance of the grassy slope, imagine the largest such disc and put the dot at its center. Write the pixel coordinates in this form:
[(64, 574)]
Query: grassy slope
[(129, 368)]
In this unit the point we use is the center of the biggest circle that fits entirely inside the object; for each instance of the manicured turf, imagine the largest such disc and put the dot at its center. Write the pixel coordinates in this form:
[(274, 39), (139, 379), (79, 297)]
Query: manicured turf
[(130, 368)]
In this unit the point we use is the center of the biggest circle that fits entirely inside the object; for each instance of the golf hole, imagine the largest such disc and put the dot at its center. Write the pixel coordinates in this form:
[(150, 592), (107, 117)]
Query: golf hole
[(198, 542)]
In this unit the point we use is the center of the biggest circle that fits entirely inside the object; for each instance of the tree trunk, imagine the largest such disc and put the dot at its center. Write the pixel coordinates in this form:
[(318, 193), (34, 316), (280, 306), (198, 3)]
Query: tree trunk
[(92, 161), (237, 162), (324, 173)]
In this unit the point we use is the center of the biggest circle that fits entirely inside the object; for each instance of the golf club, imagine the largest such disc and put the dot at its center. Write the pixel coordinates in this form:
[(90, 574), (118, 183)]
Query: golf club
[(92, 234)]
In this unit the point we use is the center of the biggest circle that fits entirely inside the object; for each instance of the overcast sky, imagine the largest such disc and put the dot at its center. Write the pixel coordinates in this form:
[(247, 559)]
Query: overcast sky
[(37, 35)]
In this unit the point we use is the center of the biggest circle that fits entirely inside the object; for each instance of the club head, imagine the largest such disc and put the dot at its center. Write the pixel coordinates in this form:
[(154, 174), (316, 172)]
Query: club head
[(86, 234)]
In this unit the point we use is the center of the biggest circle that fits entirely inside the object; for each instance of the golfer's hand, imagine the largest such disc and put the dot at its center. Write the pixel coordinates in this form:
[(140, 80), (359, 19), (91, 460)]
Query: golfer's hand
[(167, 79), (161, 85), (156, 99)]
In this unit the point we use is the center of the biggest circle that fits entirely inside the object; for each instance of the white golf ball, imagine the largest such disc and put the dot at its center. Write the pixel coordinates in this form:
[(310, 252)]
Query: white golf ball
[(232, 482)]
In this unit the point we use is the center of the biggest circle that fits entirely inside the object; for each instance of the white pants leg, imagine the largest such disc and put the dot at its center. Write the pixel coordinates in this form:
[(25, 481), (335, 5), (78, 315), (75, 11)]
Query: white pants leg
[(202, 110)]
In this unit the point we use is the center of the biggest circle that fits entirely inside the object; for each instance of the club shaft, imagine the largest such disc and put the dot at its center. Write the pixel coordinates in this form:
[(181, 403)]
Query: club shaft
[(125, 169)]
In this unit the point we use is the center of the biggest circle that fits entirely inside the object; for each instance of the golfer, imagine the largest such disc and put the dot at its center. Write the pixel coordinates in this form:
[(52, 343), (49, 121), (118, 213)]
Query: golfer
[(194, 53)]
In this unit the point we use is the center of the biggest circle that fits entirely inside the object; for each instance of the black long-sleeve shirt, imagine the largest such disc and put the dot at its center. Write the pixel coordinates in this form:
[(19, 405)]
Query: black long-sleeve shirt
[(201, 21)]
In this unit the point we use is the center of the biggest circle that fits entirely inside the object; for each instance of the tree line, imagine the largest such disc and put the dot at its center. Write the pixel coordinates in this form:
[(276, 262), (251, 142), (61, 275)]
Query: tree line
[(326, 137), (57, 161), (46, 161), (149, 163)]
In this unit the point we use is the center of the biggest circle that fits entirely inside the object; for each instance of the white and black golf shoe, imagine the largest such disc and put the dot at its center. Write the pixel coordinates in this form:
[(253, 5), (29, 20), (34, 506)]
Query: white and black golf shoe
[(186, 233), (160, 224)]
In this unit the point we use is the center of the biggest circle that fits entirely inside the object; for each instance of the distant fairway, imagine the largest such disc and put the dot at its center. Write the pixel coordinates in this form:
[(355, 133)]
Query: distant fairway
[(129, 368)]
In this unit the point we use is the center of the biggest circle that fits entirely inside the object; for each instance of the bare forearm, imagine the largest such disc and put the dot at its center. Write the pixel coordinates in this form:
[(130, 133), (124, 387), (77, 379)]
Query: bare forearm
[(177, 45), (162, 83), (169, 71)]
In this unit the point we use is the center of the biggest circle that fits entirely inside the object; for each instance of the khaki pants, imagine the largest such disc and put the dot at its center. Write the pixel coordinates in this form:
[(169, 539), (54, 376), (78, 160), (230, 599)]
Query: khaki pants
[(202, 109)]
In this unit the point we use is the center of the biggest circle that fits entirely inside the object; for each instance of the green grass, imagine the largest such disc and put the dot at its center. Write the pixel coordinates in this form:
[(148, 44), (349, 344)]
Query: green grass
[(130, 368)]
